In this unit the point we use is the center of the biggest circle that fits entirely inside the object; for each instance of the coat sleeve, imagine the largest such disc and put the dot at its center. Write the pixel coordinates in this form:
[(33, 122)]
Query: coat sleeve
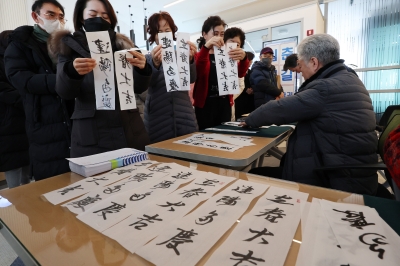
[(305, 105), (20, 74), (67, 87), (142, 82), (8, 94), (243, 66), (267, 88), (193, 72)]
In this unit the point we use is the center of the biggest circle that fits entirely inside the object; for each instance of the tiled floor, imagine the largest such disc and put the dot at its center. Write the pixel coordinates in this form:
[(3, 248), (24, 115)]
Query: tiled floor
[(7, 255)]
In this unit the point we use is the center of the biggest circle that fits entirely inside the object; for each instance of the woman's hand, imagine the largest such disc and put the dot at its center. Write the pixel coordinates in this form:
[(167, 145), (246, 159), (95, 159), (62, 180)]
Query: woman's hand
[(156, 55), (193, 50), (138, 60), (84, 65), (215, 41), (237, 54)]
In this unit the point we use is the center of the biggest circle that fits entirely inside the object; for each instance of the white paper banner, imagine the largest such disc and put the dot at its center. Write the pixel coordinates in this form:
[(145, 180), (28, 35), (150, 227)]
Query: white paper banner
[(135, 231), (222, 65), (208, 144), (124, 74), (171, 72), (264, 236), (199, 230), (183, 53), (364, 237), (114, 209), (230, 139), (100, 49), (233, 71)]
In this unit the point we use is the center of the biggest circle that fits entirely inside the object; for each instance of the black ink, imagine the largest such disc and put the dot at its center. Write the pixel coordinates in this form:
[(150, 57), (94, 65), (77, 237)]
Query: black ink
[(164, 184), (100, 47), (68, 189), (110, 190), (376, 242), (232, 62), (105, 64), (106, 101), (128, 97), (137, 197), (142, 221), (244, 190), (139, 177), (221, 52), (114, 208), (281, 199), (247, 258), (234, 74), (181, 238), (227, 200), (124, 61), (234, 85), (225, 86), (185, 82), (106, 88), (160, 169), (166, 43), (259, 234), (356, 219), (224, 76), (272, 215), (183, 44), (208, 183), (182, 175), (168, 57), (170, 71), (84, 202), (222, 63), (184, 57), (178, 204), (97, 179), (207, 219), (126, 79), (172, 85), (185, 71), (124, 171), (193, 192)]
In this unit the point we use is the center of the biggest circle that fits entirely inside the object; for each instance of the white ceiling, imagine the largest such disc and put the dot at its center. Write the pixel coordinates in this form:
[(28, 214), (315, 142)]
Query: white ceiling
[(188, 15)]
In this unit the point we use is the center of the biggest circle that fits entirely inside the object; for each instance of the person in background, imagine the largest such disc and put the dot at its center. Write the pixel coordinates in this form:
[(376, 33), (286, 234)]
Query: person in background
[(244, 104), (14, 144), (167, 114), (335, 122), (291, 64), (96, 131), (31, 71), (211, 108), (263, 79)]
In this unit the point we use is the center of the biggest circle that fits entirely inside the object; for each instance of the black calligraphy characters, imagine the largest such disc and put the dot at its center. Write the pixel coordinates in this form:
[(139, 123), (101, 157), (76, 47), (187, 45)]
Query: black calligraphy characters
[(128, 97), (207, 219), (172, 85), (84, 202), (112, 190), (68, 189), (166, 42), (183, 57), (281, 199), (272, 215), (228, 200), (104, 65), (124, 61), (126, 79), (258, 234), (143, 222), (137, 197), (95, 179), (184, 45), (106, 86), (169, 204), (246, 258), (101, 47), (192, 192), (208, 183), (181, 238), (373, 242), (114, 208), (168, 57), (244, 189), (185, 82), (356, 219)]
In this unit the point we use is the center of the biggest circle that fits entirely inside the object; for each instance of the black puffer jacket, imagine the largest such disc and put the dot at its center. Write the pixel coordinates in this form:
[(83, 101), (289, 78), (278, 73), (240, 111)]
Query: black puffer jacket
[(14, 143), (264, 84), (30, 70), (95, 131), (336, 126), (168, 114)]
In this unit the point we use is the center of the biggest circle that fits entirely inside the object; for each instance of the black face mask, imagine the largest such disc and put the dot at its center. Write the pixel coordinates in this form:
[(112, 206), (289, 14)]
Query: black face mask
[(96, 24)]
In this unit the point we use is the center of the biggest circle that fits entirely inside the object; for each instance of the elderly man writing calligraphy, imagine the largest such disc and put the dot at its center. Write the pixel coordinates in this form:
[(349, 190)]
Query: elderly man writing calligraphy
[(335, 118)]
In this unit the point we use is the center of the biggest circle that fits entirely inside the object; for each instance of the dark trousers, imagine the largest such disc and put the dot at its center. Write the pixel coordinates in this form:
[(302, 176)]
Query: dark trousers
[(215, 111), (275, 172)]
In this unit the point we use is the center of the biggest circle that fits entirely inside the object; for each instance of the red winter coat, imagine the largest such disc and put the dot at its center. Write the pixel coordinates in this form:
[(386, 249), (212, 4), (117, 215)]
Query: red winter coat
[(203, 69)]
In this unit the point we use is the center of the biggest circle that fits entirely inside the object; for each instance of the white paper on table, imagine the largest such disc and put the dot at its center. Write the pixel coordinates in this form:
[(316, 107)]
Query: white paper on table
[(100, 49), (124, 74), (105, 156), (208, 145), (304, 215), (319, 244), (82, 187), (363, 235), (233, 140), (265, 233), (233, 71), (203, 227), (222, 65), (112, 210), (171, 72), (183, 53), (231, 130), (135, 231), (137, 178)]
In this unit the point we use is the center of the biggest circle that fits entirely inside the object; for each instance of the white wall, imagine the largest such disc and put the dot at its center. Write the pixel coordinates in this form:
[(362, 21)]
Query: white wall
[(309, 14), (13, 14)]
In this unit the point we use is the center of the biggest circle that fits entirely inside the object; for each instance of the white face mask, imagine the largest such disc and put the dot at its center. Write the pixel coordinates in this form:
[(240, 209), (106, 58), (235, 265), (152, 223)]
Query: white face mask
[(51, 25)]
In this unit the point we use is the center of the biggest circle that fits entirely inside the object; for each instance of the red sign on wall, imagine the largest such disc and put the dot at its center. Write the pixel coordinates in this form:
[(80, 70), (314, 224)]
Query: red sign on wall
[(310, 32)]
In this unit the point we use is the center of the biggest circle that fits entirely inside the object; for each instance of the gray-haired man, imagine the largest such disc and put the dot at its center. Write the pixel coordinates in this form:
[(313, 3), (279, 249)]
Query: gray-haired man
[(336, 121)]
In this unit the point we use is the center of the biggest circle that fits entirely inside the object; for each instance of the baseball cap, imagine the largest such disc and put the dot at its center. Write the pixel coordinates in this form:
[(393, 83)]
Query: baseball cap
[(266, 50)]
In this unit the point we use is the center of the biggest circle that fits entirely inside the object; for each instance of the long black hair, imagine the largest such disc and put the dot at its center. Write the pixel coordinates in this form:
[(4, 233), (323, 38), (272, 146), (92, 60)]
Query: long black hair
[(81, 5), (209, 24)]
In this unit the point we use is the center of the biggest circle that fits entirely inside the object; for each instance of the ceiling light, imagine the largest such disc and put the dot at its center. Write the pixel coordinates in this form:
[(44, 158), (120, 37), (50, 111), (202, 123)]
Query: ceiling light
[(173, 3)]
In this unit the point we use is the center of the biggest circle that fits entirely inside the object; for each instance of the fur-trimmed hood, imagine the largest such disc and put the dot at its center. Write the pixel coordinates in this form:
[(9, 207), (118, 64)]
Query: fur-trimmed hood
[(56, 42)]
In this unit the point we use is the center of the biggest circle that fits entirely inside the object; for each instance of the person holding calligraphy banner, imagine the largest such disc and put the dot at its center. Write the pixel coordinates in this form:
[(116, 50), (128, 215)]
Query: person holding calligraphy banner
[(167, 114), (96, 131), (263, 79), (212, 109)]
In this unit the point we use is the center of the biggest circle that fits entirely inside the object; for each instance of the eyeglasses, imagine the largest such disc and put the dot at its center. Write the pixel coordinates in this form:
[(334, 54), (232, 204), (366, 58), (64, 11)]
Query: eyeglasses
[(53, 16)]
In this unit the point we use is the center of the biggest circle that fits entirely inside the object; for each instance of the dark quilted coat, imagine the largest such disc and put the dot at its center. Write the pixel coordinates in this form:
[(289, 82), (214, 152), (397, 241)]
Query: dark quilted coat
[(336, 126), (30, 70), (263, 82), (168, 114)]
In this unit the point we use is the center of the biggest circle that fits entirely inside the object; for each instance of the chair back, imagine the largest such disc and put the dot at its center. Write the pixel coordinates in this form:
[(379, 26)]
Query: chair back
[(387, 114)]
